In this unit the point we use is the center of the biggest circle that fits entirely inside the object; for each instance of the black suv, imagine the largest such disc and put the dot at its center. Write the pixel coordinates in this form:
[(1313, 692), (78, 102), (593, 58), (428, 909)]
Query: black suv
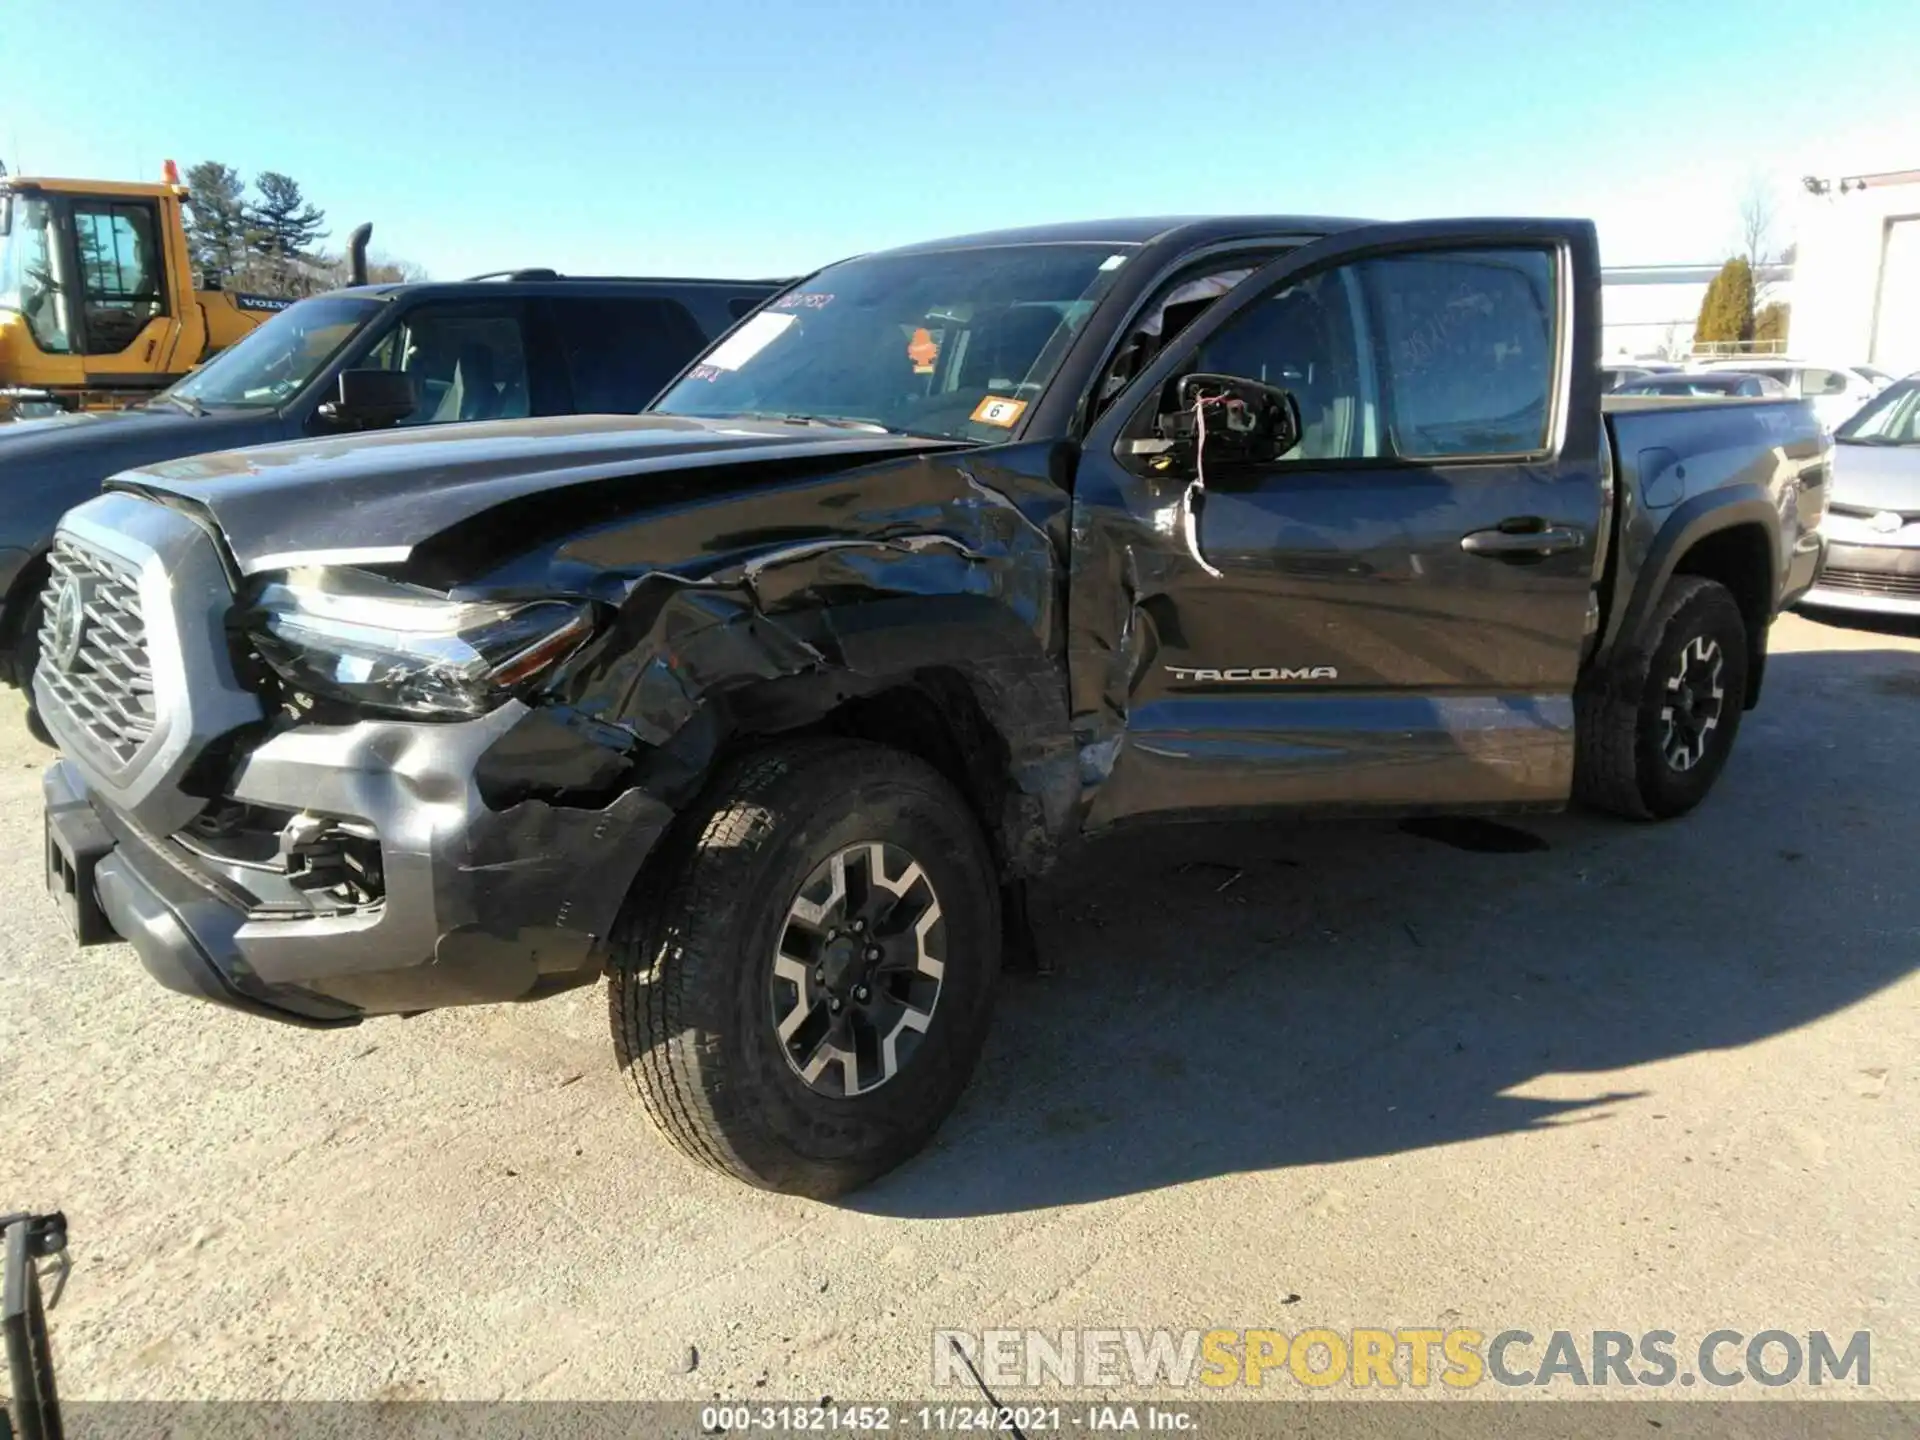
[(516, 346)]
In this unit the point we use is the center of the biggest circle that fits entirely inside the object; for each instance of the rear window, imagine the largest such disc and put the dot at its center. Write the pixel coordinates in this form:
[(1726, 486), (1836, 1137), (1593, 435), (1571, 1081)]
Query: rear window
[(621, 353)]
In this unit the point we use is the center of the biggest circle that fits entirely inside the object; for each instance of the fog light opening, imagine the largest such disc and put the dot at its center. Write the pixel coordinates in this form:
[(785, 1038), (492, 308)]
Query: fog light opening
[(340, 858)]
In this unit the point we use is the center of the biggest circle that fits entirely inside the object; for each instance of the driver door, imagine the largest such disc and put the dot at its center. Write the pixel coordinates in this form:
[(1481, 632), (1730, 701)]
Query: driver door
[(1389, 616)]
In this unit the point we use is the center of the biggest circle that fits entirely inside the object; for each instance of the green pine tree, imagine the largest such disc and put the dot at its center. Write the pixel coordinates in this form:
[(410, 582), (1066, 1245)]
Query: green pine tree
[(1771, 321), (1727, 311), (217, 220), (284, 224)]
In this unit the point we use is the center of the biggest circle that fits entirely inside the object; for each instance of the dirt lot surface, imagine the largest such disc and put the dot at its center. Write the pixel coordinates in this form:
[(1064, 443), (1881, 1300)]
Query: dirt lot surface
[(1609, 1076)]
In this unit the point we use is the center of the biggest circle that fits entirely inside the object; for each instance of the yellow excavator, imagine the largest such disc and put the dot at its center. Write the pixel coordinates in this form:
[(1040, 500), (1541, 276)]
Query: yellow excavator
[(98, 301)]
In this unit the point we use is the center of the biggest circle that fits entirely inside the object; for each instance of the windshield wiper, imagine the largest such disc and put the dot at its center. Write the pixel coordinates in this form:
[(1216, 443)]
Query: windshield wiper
[(186, 402), (833, 422), (829, 422), (1871, 440)]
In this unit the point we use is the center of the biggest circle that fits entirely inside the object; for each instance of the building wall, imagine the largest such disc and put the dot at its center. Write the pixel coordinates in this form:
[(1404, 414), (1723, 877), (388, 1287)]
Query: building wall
[(1648, 311), (1858, 273)]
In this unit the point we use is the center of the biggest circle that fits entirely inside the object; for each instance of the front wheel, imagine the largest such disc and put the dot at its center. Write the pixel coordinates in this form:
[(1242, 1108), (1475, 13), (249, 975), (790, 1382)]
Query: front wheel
[(26, 659), (1655, 731), (805, 980)]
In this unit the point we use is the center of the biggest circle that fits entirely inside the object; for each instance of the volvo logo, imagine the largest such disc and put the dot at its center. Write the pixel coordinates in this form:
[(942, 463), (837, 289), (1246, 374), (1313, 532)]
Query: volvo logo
[(1887, 521), (69, 622)]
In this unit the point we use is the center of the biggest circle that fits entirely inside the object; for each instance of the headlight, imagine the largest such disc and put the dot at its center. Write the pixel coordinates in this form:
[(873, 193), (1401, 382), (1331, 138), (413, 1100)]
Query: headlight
[(353, 636)]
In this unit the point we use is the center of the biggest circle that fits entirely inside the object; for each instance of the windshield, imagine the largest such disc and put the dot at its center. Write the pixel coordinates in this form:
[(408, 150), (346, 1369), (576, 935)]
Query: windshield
[(276, 361), (950, 343), (33, 273), (1891, 418)]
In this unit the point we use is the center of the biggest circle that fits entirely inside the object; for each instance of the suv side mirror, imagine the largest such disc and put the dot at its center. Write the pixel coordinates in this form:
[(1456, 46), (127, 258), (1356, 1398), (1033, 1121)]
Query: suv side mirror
[(370, 400), (1243, 421)]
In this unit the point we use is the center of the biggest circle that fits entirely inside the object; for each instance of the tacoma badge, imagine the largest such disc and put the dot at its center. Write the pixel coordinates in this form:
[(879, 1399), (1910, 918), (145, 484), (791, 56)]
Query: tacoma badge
[(1257, 675)]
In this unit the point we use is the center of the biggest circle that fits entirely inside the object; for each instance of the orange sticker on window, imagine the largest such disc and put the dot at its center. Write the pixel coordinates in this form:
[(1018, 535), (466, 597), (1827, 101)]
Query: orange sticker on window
[(997, 410), (923, 350)]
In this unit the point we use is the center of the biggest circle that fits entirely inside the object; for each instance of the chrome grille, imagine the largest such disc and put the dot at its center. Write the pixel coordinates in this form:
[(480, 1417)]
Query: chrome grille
[(1869, 582), (107, 683)]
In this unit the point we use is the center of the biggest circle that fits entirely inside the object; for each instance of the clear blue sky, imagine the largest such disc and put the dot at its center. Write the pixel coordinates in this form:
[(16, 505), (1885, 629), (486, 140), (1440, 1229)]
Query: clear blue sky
[(730, 136)]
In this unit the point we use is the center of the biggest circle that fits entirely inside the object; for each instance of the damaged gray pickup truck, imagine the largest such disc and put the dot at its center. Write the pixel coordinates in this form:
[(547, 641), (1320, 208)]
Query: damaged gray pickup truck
[(766, 703)]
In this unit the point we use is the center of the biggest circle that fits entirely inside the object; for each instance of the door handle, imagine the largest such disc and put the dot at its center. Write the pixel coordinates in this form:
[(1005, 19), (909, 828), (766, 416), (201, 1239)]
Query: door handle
[(1522, 544)]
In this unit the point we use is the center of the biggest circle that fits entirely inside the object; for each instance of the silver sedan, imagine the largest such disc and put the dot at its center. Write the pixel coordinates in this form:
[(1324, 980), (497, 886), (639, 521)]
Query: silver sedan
[(1873, 513)]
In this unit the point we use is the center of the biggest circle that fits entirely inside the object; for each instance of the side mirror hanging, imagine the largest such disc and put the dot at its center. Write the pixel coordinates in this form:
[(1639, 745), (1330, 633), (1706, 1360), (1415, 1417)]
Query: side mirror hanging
[(1232, 420)]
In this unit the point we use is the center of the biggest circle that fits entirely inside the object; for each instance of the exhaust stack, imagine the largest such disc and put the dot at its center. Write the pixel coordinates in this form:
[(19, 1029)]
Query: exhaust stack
[(357, 254)]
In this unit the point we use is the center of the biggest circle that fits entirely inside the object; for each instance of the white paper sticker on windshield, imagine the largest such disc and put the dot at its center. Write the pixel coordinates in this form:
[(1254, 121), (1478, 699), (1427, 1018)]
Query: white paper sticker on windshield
[(749, 340), (1113, 262)]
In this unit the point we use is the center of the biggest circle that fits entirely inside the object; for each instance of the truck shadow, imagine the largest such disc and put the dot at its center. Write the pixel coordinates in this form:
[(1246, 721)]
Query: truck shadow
[(1260, 996)]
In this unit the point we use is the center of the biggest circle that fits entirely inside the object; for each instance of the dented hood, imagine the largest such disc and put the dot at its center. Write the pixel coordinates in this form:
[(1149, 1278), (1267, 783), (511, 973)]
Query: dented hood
[(370, 499)]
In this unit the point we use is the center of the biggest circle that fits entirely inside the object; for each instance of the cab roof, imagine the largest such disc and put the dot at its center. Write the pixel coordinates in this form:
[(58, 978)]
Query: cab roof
[(546, 283), (140, 189), (1193, 229)]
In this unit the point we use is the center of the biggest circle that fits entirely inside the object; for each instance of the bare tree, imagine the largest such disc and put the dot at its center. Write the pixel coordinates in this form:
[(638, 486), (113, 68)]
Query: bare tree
[(381, 270), (1757, 216)]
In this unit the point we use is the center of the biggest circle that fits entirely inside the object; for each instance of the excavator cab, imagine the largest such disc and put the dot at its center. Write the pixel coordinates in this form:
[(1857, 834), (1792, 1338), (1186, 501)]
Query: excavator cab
[(96, 297), (98, 306)]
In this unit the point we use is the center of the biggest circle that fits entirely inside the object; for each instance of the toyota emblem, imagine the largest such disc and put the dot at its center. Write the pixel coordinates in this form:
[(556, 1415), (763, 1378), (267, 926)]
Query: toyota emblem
[(69, 622)]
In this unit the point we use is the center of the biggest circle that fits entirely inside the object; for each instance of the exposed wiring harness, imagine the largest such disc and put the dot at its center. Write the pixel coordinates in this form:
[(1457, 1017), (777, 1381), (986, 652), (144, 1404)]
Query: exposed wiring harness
[(1197, 487)]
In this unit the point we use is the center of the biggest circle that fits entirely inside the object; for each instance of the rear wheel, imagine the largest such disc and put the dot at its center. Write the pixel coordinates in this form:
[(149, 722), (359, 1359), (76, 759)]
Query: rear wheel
[(1657, 728), (806, 978)]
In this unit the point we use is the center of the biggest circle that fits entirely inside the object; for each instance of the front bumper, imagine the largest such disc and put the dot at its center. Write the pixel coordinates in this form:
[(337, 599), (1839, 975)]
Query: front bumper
[(478, 905), (1880, 579)]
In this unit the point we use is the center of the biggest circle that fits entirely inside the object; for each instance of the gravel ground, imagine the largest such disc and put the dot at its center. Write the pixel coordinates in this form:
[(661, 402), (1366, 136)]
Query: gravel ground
[(1630, 1077)]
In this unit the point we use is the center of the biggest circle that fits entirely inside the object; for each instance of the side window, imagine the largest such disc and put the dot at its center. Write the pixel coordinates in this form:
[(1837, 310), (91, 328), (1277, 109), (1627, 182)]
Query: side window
[(1465, 341), (33, 274), (1417, 357), (621, 353), (1177, 306), (467, 362), (1306, 339), (120, 271), (1814, 381)]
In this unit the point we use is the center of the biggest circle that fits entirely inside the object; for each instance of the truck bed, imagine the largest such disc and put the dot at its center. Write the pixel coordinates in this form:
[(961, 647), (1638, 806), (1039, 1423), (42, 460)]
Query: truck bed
[(1669, 450)]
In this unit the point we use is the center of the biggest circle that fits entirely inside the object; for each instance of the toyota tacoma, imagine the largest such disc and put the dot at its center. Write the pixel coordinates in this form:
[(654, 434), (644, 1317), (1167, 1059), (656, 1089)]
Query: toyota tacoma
[(765, 704)]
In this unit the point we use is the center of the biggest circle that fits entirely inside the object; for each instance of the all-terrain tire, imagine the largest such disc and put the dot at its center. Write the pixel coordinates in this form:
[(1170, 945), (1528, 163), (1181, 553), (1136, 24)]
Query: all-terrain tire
[(1621, 761), (688, 994)]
